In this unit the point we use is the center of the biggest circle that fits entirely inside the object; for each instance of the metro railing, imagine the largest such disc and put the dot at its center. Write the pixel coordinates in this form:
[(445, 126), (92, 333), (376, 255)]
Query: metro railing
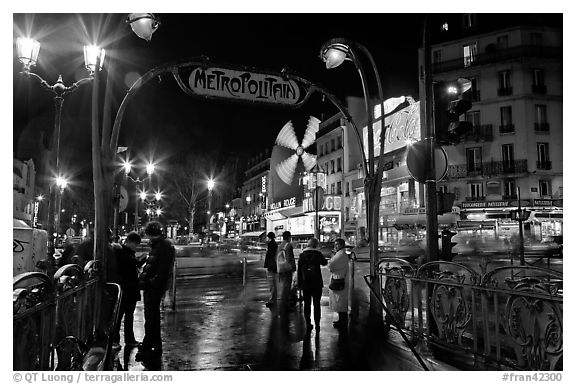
[(508, 318)]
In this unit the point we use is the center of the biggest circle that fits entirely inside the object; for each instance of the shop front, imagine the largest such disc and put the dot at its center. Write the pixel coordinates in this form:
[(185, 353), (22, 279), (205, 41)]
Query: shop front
[(492, 219)]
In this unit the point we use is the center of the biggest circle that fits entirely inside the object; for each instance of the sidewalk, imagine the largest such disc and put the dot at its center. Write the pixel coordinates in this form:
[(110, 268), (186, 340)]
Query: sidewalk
[(219, 325)]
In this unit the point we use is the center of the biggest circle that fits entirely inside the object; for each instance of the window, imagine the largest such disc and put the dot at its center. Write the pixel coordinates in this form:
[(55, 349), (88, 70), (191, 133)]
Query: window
[(332, 189), (504, 79), (474, 159), (469, 20), (541, 118), (339, 164), (502, 42), (473, 117), (326, 149), (470, 53), (506, 125), (347, 192), (339, 188), (543, 161), (476, 191), (544, 187), (538, 77), (510, 189), (508, 156), (443, 188), (474, 92), (332, 170), (437, 56), (320, 148), (339, 142), (333, 144), (347, 214), (536, 38)]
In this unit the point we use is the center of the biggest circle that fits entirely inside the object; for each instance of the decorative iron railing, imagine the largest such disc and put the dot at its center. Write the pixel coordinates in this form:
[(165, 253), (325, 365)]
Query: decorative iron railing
[(508, 318), (54, 320), (491, 168)]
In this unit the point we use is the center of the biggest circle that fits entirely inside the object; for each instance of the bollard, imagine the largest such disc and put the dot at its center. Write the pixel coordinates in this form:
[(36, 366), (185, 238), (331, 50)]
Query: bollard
[(244, 271), (174, 286)]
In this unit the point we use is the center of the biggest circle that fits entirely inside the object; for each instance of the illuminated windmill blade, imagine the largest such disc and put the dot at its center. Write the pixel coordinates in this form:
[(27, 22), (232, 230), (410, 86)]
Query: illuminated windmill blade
[(311, 130), (287, 137), (309, 161), (287, 168)]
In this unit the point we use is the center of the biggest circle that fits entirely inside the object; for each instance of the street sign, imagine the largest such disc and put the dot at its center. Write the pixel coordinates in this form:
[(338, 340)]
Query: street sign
[(418, 158), (123, 203)]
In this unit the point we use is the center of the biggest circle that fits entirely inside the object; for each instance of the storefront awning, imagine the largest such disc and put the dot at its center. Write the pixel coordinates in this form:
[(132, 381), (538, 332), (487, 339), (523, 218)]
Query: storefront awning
[(413, 221), (252, 234)]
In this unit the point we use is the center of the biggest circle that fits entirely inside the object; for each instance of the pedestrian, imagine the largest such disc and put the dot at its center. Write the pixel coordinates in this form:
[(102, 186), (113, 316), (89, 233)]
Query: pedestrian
[(270, 265), (338, 267), (127, 271), (85, 250), (154, 282), (310, 281), (285, 256)]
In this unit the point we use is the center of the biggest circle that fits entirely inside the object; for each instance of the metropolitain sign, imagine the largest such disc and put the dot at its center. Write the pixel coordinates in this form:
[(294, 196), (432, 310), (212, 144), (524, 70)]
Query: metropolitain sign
[(243, 85)]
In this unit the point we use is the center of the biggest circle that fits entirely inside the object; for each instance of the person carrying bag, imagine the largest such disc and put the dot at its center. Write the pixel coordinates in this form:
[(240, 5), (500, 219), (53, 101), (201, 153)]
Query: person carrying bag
[(285, 266), (338, 267)]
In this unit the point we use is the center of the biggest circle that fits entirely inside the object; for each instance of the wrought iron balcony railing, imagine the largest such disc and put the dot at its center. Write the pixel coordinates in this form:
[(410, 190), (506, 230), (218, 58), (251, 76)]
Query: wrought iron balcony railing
[(508, 128), (492, 168), (505, 91), (542, 127), (547, 164), (539, 89), (499, 55), (480, 133)]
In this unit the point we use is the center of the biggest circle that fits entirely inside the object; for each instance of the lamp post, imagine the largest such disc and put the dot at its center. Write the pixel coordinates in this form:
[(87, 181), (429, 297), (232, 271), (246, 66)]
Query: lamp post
[(248, 214), (61, 183), (520, 215), (317, 186), (27, 51), (209, 229), (334, 52)]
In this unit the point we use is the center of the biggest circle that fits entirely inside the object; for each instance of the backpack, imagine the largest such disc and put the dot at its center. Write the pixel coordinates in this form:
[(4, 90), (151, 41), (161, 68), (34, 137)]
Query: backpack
[(307, 272)]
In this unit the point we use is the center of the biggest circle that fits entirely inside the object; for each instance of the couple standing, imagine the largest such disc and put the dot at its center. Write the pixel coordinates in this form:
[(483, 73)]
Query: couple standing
[(310, 280)]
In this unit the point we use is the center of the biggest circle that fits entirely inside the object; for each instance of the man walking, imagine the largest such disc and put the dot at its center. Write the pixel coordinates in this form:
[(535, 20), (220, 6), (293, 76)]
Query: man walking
[(127, 268), (154, 281), (270, 265)]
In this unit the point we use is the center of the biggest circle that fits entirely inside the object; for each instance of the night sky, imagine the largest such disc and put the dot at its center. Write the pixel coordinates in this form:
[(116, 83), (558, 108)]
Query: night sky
[(162, 121)]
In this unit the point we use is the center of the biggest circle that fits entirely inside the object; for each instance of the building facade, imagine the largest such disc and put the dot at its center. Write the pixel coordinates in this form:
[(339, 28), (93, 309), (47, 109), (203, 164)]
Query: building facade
[(515, 145), (254, 195)]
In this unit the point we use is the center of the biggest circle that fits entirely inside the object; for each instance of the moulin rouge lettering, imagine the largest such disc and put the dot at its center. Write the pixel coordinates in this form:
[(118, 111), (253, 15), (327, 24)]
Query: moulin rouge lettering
[(243, 85)]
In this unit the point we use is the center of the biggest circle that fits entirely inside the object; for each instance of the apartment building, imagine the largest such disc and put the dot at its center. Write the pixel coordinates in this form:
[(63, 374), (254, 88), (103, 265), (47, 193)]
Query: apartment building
[(516, 144)]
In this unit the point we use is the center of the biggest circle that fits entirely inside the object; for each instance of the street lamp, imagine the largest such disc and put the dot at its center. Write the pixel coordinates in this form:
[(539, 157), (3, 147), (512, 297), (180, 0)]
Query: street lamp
[(150, 168), (143, 24), (211, 184), (27, 53), (520, 215), (334, 52)]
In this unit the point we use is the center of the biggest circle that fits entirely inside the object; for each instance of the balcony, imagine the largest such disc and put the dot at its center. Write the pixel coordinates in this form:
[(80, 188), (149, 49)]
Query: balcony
[(480, 133), (499, 55), (544, 165), (539, 89), (475, 198), (492, 168), (542, 127), (508, 128), (509, 197), (505, 91)]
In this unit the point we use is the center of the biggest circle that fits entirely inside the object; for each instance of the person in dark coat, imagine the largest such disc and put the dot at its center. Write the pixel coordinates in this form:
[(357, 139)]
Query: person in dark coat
[(270, 265), (154, 282), (310, 281), (127, 271)]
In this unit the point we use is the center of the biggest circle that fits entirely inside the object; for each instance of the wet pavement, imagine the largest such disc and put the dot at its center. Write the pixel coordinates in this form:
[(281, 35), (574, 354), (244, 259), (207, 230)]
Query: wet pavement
[(219, 324)]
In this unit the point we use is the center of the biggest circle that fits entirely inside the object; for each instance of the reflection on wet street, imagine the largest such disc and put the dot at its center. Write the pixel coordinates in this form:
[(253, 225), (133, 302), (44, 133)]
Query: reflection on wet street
[(220, 325)]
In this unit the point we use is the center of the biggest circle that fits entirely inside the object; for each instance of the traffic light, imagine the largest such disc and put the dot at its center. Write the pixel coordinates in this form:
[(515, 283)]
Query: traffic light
[(449, 105), (444, 202), (447, 244)]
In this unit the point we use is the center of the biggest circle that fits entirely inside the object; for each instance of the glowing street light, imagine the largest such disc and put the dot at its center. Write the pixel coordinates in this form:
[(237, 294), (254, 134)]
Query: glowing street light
[(150, 167), (158, 196), (143, 24), (143, 195)]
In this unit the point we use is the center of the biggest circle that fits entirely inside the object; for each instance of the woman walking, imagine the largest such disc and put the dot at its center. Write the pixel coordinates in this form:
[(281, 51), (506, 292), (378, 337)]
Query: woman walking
[(310, 281), (338, 266)]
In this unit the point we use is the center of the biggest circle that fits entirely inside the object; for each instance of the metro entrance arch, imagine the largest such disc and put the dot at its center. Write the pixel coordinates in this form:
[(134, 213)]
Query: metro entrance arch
[(201, 78)]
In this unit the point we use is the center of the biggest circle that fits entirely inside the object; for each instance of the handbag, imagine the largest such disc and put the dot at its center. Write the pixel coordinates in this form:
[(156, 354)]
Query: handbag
[(337, 284), (282, 265)]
